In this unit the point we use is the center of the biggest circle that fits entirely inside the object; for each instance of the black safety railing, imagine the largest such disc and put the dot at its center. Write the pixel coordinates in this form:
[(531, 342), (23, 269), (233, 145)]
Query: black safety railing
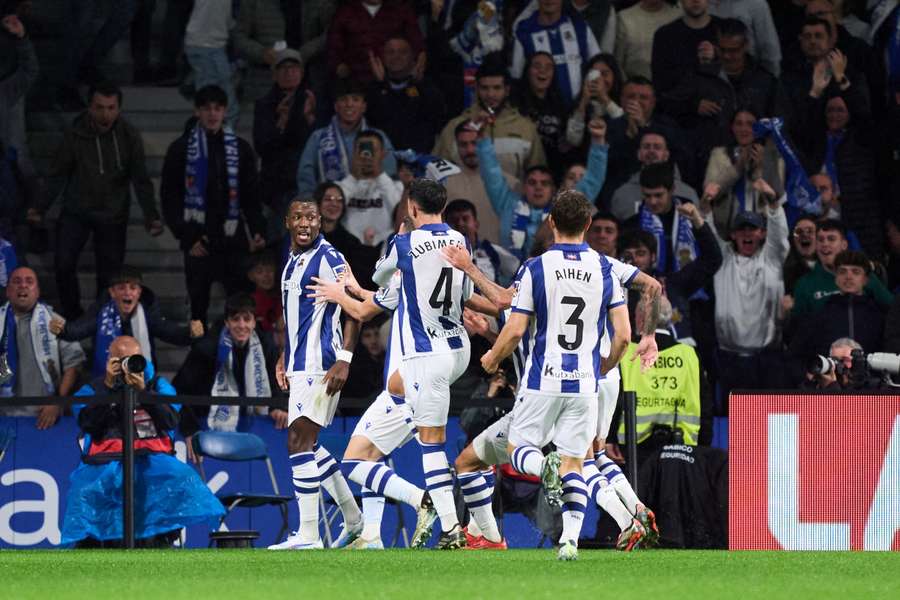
[(130, 398)]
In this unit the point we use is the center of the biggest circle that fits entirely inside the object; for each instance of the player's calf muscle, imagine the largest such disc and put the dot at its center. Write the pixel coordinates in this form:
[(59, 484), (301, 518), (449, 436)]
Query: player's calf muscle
[(302, 435)]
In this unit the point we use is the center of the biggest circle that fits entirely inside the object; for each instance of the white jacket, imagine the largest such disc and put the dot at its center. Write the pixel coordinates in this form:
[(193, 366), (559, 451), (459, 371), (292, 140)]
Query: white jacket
[(370, 203)]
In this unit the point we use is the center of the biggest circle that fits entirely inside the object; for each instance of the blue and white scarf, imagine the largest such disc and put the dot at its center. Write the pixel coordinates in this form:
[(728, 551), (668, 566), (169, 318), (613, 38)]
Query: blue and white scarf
[(428, 166), (683, 243), (8, 261), (802, 197), (832, 141), (196, 178), (44, 344), (256, 380), (519, 231), (109, 327), (334, 162)]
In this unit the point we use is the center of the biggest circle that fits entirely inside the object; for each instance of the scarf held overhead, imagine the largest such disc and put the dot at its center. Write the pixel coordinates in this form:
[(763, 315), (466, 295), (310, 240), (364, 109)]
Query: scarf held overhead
[(196, 178)]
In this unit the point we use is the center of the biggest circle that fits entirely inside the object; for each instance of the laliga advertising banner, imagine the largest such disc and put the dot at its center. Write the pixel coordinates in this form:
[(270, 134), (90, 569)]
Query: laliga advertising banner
[(814, 472)]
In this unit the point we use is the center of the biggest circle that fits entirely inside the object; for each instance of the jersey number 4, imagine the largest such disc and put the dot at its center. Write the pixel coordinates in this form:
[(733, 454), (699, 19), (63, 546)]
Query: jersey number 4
[(444, 285), (575, 321)]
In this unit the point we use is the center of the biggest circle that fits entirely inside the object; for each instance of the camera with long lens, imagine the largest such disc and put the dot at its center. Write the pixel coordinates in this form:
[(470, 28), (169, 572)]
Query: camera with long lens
[(134, 364), (865, 371)]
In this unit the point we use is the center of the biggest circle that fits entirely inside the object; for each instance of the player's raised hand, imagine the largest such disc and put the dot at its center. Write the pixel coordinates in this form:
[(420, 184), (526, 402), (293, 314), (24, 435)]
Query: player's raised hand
[(489, 362), (646, 351), (326, 291), (458, 257)]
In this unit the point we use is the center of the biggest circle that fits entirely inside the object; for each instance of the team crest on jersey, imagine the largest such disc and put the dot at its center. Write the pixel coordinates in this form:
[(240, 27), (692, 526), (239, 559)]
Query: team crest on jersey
[(339, 271)]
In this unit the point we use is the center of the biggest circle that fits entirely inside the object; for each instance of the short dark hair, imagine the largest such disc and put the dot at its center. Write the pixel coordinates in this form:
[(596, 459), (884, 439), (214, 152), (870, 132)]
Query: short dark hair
[(464, 126), (319, 193), (301, 200), (605, 215), (238, 303), (632, 238), (493, 65), (210, 94), (126, 274), (571, 211), (539, 169), (258, 259), (853, 258), (428, 195), (658, 175), (832, 225), (461, 205), (105, 88), (732, 28), (815, 22), (638, 80), (653, 131), (372, 134)]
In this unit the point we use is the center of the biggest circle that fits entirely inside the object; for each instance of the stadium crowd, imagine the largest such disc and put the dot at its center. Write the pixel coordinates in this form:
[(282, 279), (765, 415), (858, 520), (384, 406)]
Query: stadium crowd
[(744, 153)]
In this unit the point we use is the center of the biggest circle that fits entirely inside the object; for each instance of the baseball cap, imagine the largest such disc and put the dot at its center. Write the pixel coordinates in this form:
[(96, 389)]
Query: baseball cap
[(748, 218), (287, 54)]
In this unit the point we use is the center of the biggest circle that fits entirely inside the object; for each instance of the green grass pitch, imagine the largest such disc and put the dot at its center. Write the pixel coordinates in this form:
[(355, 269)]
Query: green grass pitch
[(399, 574)]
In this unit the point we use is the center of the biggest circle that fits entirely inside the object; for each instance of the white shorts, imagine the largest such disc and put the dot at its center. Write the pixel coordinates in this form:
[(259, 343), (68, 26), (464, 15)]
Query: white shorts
[(308, 399), (386, 424), (490, 445), (426, 382), (607, 399), (568, 421)]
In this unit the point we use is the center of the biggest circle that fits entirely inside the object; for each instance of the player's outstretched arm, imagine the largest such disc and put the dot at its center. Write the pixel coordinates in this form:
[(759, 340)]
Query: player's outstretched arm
[(335, 292), (648, 306), (482, 305), (619, 318), (460, 258), (508, 340)]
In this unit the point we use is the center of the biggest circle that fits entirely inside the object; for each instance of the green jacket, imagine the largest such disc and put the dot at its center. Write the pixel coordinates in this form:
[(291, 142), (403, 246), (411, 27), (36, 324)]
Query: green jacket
[(99, 170), (814, 288)]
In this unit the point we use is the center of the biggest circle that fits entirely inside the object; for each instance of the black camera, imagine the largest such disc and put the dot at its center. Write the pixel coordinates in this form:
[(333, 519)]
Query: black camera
[(865, 371), (134, 364)]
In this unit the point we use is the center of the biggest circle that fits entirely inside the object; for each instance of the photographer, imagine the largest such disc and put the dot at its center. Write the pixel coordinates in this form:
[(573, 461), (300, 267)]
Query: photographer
[(837, 371), (168, 494)]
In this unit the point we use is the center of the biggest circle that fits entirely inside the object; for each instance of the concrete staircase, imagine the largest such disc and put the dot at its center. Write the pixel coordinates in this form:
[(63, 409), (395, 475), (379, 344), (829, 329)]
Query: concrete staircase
[(160, 115)]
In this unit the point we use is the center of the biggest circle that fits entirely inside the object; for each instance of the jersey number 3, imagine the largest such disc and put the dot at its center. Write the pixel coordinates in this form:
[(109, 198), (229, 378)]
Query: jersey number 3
[(574, 320), (444, 284)]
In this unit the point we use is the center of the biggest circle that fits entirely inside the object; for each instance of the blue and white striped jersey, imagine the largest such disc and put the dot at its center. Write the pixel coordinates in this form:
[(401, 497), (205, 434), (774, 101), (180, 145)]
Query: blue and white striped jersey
[(624, 274), (388, 298), (569, 40), (569, 289), (432, 292), (313, 333)]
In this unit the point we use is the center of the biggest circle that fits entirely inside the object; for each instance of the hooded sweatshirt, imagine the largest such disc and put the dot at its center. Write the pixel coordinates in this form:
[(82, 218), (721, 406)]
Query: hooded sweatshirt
[(99, 170)]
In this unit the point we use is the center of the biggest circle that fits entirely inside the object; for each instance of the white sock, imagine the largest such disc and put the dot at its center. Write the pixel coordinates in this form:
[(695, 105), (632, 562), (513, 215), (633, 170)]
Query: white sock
[(604, 495), (439, 483), (336, 486), (373, 510), (574, 504), (305, 474), (479, 501), (617, 479), (527, 460), (381, 479)]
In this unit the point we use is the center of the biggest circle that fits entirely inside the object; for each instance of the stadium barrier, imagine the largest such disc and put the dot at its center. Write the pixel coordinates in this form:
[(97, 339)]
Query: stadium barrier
[(814, 472), (130, 398)]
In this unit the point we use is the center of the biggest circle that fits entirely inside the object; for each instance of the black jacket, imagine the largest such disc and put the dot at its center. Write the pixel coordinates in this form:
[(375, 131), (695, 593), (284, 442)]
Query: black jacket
[(172, 190), (674, 53), (279, 151), (411, 116), (856, 317)]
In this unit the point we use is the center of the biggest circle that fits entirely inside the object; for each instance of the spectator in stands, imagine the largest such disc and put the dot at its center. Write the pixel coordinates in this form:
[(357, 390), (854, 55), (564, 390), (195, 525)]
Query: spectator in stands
[(126, 308), (707, 99), (600, 95), (205, 41), (362, 27), (600, 17), (567, 37), (397, 98), (572, 176), (749, 287), (763, 37), (733, 170), (497, 263), (19, 70), (366, 377), (263, 274), (802, 257), (100, 159), (850, 312), (40, 363), (262, 32), (812, 289), (468, 183), (635, 28), (522, 214), (328, 151), (371, 195), (652, 150), (603, 234), (210, 199), (683, 45), (168, 495), (282, 122), (236, 359), (537, 98), (170, 45), (514, 134), (332, 204)]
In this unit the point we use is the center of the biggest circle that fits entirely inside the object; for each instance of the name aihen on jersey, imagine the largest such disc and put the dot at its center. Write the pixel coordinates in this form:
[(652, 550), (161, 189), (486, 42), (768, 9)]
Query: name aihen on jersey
[(568, 290), (432, 292)]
